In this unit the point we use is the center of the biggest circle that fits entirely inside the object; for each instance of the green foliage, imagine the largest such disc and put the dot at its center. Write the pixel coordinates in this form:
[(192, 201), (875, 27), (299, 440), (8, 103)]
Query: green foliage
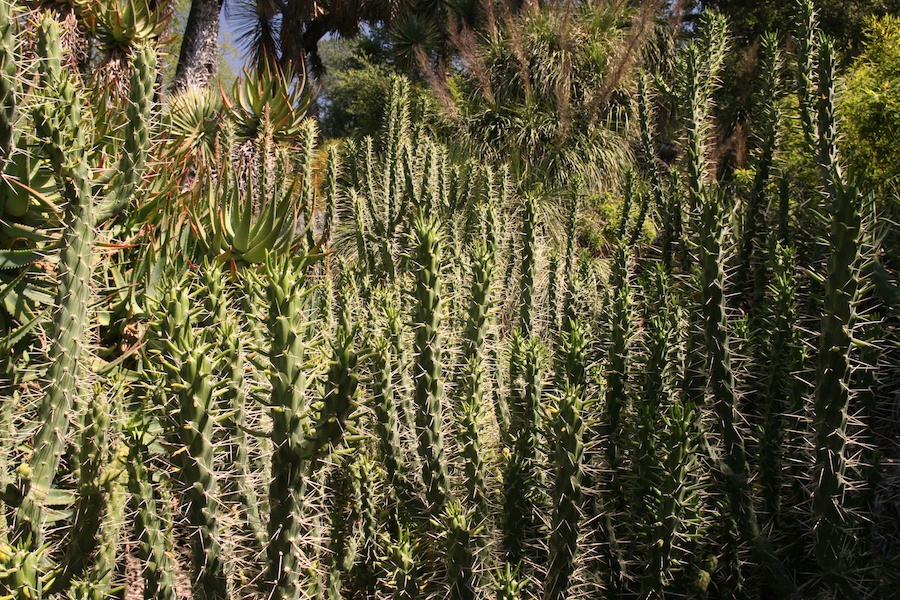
[(870, 104)]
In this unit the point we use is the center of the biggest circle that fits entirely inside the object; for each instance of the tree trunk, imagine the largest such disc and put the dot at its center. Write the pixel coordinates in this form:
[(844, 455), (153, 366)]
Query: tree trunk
[(199, 57)]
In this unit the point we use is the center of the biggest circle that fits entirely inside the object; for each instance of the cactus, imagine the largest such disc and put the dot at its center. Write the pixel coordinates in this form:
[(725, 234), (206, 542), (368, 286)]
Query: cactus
[(387, 422), (833, 393), (401, 567), (427, 377), (341, 551), (136, 144), (733, 470), (63, 136), (9, 84), (526, 286), (339, 402), (567, 496), (158, 567), (459, 546), (472, 440), (750, 276), (189, 372), (288, 378), (89, 506)]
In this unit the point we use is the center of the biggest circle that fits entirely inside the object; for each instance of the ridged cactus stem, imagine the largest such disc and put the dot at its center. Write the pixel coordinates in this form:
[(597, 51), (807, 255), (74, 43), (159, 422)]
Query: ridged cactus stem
[(137, 134), (387, 421), (617, 357), (734, 469), (526, 285), (833, 373), (158, 565), (63, 140), (402, 567), (675, 491), (807, 47), (91, 501), (782, 392), (567, 495), (479, 301), (568, 293), (751, 270), (427, 375), (189, 368), (331, 195), (472, 440), (9, 83), (341, 551), (458, 533), (288, 379), (339, 403), (233, 402), (365, 508)]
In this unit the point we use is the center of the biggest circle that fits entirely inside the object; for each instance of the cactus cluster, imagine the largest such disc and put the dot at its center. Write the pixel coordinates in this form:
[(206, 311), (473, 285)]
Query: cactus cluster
[(286, 371)]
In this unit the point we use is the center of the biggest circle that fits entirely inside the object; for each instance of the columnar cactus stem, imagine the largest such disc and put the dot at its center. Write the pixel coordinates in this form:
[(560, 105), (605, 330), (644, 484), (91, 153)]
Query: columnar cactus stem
[(64, 143), (158, 566), (189, 368), (458, 534), (472, 439), (567, 496), (387, 422), (9, 83), (137, 134), (526, 287), (734, 470), (833, 373), (427, 376), (89, 506), (751, 268), (287, 357)]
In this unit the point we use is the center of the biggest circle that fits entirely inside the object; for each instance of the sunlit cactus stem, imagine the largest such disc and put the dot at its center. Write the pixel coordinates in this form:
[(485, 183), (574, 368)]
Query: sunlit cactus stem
[(189, 369), (526, 286), (472, 439), (158, 564), (91, 501), (288, 379), (751, 270), (387, 421), (63, 140), (427, 375), (458, 533), (9, 83), (136, 146)]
